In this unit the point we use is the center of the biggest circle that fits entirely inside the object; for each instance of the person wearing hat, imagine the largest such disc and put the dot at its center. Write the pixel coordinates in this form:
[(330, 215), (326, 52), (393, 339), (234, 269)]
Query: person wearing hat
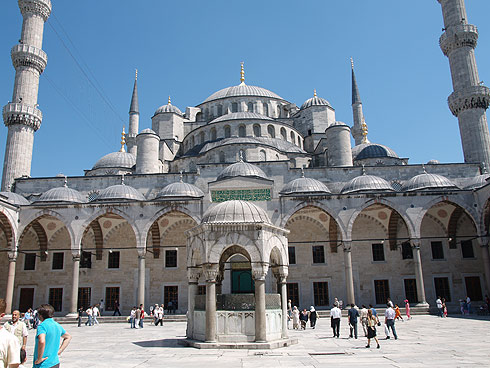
[(313, 316)]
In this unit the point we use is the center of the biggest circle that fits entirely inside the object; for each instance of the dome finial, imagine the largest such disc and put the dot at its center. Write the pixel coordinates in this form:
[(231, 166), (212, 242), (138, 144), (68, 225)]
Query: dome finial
[(169, 101), (136, 75), (483, 168), (181, 176), (123, 140), (302, 172), (65, 182), (240, 156), (363, 170), (423, 168), (242, 73), (364, 130), (314, 93), (122, 179)]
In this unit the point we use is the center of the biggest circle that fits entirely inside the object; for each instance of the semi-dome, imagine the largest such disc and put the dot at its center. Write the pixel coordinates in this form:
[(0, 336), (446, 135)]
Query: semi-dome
[(243, 169), (168, 108), (366, 183), (242, 115), (428, 181), (61, 194), (116, 159), (119, 192), (147, 131), (235, 211), (241, 90), (372, 150), (315, 101), (180, 190), (478, 181), (15, 198), (305, 186)]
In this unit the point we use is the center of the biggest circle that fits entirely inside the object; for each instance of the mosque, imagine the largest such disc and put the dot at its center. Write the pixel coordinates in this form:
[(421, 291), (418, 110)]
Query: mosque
[(246, 193)]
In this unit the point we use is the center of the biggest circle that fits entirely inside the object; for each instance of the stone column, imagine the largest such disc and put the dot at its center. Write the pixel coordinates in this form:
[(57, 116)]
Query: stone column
[(141, 279), (9, 293), (483, 241), (284, 304), (193, 279), (260, 318), (211, 273), (73, 312), (419, 277), (349, 279)]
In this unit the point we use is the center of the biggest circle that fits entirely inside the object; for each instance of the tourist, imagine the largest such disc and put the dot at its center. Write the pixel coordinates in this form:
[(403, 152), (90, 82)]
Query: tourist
[(101, 306), (336, 302), (313, 316), (116, 308), (169, 307), (352, 316), (304, 319), (290, 312), (89, 312), (159, 314), (17, 328), (375, 312), (444, 308), (439, 306), (390, 321), (35, 319), (364, 318), (398, 314), (47, 348), (142, 315), (372, 322), (468, 304), (137, 317), (132, 317), (295, 318), (80, 314), (407, 309), (389, 302), (335, 315), (95, 314), (9, 345), (27, 318)]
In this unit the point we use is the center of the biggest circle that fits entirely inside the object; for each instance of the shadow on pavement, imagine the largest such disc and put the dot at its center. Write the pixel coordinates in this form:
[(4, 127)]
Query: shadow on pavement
[(162, 343), (469, 316)]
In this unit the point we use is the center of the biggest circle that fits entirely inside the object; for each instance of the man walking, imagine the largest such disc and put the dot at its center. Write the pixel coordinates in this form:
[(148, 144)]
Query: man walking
[(89, 312), (116, 308), (390, 321), (101, 306), (335, 315), (142, 315), (9, 345), (17, 328), (352, 316), (440, 309), (364, 319), (95, 314)]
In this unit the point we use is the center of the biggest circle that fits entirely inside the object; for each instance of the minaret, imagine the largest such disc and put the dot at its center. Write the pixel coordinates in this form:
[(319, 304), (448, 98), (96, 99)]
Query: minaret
[(358, 116), (470, 98), (21, 115), (134, 119)]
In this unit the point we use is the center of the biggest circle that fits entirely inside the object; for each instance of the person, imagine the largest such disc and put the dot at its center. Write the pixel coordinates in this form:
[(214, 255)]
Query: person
[(364, 319), (95, 314), (142, 315), (137, 317), (312, 316), (398, 314), (290, 311), (335, 315), (372, 322), (407, 309), (389, 302), (101, 306), (295, 318), (80, 314), (27, 318), (116, 308), (375, 312), (35, 319), (159, 315), (152, 315), (17, 328), (47, 349), (23, 358), (352, 316), (444, 308), (169, 307), (304, 319), (89, 312), (9, 345), (132, 317), (468, 304), (439, 306), (390, 321)]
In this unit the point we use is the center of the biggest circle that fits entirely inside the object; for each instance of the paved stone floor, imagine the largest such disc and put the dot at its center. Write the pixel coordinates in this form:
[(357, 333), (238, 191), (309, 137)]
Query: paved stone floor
[(423, 341)]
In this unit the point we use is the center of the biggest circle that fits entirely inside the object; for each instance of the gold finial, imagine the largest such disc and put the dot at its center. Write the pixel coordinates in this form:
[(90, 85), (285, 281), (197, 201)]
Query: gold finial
[(364, 130), (351, 63), (314, 93), (181, 176), (136, 75), (169, 101), (122, 179), (242, 73), (302, 172), (123, 141), (65, 181), (363, 170)]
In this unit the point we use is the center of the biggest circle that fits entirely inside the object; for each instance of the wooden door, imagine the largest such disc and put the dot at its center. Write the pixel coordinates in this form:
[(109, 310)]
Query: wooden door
[(26, 300)]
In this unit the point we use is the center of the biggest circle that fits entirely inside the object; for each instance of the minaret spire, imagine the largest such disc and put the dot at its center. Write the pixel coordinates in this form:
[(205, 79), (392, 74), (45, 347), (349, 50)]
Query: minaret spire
[(359, 129), (242, 73), (356, 97), (134, 118)]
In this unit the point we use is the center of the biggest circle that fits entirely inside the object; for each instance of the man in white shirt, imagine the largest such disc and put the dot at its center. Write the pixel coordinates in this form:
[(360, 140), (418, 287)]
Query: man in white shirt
[(364, 319), (9, 345), (101, 306), (89, 315), (17, 328), (390, 321), (95, 314), (335, 315), (439, 306)]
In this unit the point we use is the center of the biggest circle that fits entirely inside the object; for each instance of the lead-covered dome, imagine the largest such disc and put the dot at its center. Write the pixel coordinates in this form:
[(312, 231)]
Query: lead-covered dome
[(235, 211), (15, 198), (243, 169), (315, 101), (372, 150), (304, 185), (61, 194), (242, 115), (241, 90), (120, 192), (116, 159), (427, 181), (366, 183), (168, 108), (180, 190), (478, 181)]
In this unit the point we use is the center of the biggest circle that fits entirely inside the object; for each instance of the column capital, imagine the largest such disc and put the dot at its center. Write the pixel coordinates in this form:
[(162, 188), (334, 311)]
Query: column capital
[(76, 257), (211, 271), (141, 256), (483, 241), (415, 243), (347, 245), (259, 272), (281, 273), (193, 274), (12, 256)]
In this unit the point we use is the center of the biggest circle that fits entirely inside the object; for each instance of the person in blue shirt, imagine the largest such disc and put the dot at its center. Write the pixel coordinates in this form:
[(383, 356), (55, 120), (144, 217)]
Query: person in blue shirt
[(353, 315), (49, 333)]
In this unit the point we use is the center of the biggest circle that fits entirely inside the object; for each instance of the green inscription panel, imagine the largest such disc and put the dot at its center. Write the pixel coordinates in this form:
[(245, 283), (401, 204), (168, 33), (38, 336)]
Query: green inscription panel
[(241, 194)]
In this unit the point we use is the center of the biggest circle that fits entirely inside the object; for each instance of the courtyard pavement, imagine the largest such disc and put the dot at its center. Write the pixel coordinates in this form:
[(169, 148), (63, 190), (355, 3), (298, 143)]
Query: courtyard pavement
[(423, 341)]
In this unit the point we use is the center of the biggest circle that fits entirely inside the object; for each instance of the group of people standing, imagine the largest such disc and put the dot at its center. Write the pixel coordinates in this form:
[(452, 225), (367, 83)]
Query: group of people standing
[(300, 319)]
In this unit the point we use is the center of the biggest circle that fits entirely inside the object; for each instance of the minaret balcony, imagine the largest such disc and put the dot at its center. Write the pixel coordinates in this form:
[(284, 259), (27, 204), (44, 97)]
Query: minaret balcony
[(458, 36), (19, 113), (29, 56), (473, 97), (41, 8)]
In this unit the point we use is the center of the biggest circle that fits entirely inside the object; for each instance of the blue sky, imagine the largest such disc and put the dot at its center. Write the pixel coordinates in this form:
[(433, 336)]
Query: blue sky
[(190, 49)]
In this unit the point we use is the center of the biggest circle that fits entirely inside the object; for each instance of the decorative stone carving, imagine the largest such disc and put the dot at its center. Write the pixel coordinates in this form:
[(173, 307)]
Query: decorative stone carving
[(458, 36), (347, 246), (469, 98), (415, 244), (40, 8), (193, 274), (211, 272), (19, 113), (259, 273), (29, 56)]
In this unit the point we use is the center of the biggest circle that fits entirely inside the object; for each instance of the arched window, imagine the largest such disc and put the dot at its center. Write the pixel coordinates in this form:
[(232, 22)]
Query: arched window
[(257, 130), (250, 107), (221, 156), (299, 141), (266, 109), (271, 131), (214, 135), (262, 156), (293, 137), (284, 134), (234, 107), (198, 116), (227, 131), (241, 131), (220, 110), (201, 137)]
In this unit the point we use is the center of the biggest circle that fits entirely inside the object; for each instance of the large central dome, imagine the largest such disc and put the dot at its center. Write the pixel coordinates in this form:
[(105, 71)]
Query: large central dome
[(242, 90)]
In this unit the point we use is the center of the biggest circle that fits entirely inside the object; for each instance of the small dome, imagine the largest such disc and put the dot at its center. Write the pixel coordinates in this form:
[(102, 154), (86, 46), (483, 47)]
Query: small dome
[(315, 101), (235, 211), (338, 124), (305, 186), (180, 190), (478, 181), (168, 108), (61, 194), (116, 159), (241, 90), (15, 198), (366, 183), (119, 192), (428, 181), (241, 168), (147, 131), (243, 115), (372, 150), (433, 162)]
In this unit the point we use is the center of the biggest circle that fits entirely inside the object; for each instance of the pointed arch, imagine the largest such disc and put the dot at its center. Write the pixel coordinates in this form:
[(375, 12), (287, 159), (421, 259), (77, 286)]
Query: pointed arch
[(7, 229)]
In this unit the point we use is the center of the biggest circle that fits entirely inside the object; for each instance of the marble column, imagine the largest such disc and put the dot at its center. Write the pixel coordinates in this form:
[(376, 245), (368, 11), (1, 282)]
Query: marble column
[(349, 279), (419, 276), (73, 312), (193, 279), (260, 318), (9, 293), (483, 241), (284, 305), (141, 279), (211, 273)]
